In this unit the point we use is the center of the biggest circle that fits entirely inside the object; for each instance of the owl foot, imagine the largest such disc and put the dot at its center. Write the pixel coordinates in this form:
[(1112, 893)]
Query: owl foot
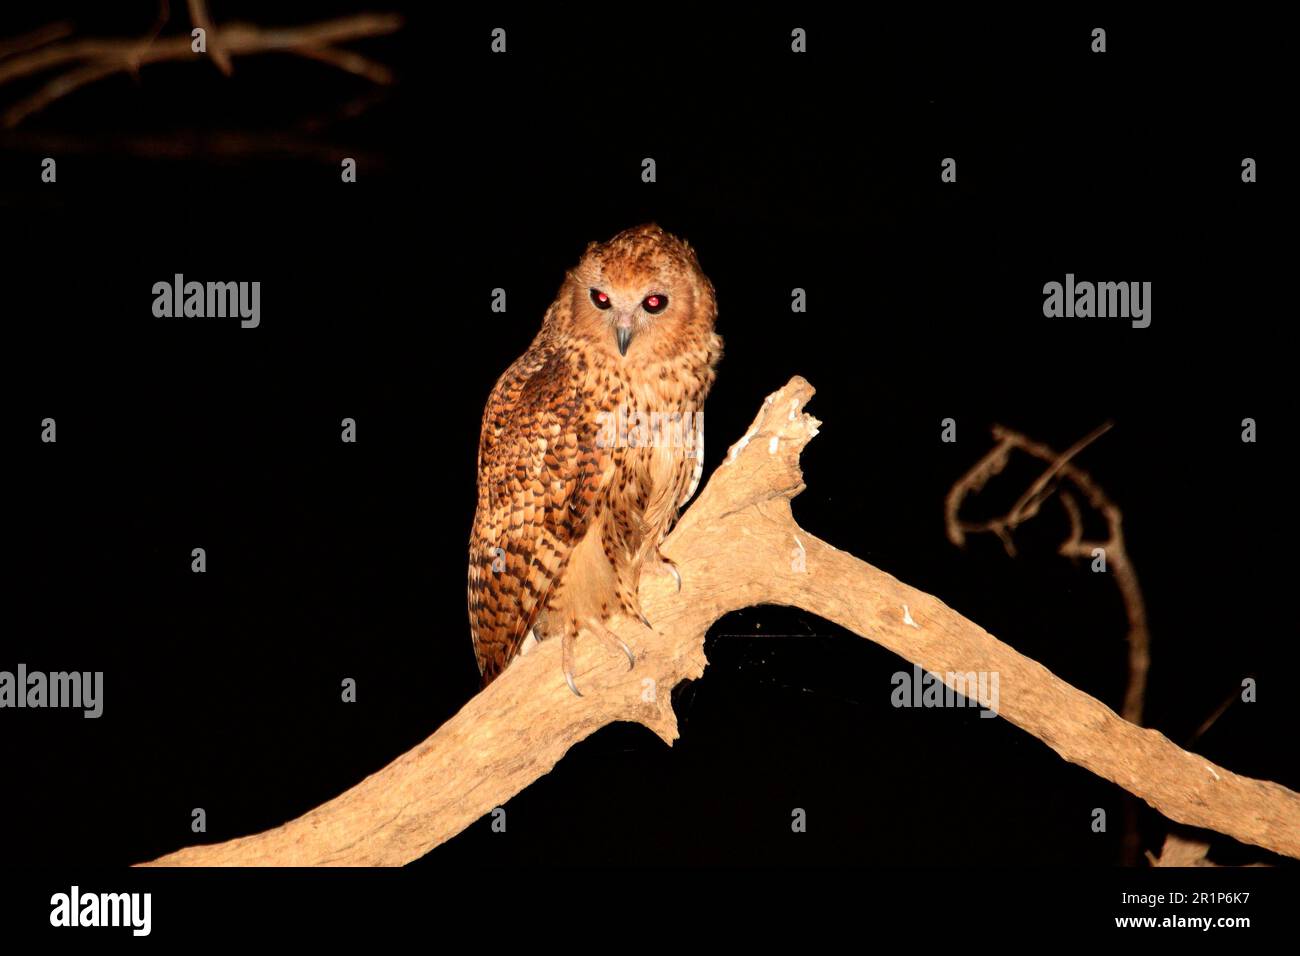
[(605, 634), (609, 637)]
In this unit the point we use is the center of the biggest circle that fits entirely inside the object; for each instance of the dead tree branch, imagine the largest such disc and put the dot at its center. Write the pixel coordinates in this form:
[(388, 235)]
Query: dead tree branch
[(1060, 468), (91, 59), (738, 545)]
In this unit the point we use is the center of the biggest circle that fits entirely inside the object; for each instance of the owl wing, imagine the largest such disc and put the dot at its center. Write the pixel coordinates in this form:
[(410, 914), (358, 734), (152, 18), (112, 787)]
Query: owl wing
[(541, 471)]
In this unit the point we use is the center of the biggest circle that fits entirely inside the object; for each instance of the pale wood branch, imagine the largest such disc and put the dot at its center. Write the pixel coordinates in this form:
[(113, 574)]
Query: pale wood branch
[(1185, 850), (1060, 470), (738, 545)]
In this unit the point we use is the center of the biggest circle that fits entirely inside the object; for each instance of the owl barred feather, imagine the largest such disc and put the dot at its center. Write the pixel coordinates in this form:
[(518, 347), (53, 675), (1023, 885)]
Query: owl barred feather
[(570, 509)]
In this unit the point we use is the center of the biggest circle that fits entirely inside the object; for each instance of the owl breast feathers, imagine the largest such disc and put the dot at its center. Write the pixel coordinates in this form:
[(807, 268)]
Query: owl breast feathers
[(591, 442)]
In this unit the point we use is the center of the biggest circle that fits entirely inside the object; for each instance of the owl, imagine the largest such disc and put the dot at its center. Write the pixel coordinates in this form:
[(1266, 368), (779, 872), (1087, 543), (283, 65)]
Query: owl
[(591, 443)]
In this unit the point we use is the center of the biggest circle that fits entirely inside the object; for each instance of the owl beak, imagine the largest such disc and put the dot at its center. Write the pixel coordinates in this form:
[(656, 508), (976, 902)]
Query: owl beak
[(623, 335)]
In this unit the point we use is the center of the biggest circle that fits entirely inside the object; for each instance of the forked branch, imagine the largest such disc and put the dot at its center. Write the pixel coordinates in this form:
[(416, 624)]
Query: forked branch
[(738, 545), (87, 60)]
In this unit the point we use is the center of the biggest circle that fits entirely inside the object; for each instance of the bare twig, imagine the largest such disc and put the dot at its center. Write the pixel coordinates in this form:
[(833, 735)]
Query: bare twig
[(1061, 468), (36, 38), (349, 62), (735, 547), (164, 14), (199, 17), (99, 58), (61, 86), (1214, 716)]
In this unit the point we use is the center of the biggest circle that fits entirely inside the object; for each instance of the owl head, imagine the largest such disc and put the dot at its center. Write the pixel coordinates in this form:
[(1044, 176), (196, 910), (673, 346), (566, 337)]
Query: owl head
[(640, 295)]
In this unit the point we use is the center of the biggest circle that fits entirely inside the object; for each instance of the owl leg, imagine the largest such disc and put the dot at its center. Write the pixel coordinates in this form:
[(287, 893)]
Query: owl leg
[(632, 608)]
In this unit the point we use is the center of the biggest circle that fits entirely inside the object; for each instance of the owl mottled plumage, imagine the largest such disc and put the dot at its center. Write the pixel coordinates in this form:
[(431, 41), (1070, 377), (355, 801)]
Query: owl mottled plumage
[(566, 516)]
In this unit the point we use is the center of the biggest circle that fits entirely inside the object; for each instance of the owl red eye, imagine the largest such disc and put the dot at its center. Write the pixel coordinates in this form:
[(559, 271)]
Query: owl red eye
[(654, 304), (600, 299)]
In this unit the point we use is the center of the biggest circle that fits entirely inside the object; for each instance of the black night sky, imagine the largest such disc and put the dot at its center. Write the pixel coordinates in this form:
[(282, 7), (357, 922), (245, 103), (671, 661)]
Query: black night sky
[(819, 171)]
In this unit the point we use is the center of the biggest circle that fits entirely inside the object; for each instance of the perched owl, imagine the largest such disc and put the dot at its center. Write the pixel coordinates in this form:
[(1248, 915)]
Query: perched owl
[(591, 443)]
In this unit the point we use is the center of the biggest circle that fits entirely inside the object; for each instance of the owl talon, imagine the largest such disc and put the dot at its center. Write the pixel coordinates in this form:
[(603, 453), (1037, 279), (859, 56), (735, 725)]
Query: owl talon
[(566, 648), (666, 565), (631, 658), (609, 637)]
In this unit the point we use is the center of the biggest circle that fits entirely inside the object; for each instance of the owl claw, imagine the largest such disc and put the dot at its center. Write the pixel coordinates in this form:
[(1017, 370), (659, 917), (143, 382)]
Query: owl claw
[(609, 637), (665, 564), (631, 658), (567, 653), (595, 627)]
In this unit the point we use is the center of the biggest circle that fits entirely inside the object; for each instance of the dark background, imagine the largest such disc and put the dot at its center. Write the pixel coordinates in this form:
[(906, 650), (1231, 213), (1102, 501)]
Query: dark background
[(328, 561)]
